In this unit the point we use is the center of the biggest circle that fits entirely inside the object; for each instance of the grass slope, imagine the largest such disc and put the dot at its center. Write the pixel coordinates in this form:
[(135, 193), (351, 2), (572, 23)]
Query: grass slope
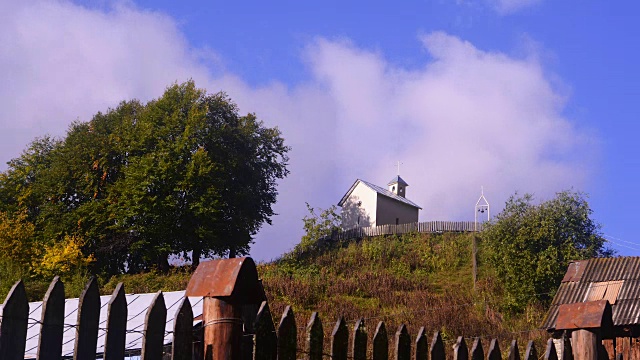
[(415, 279)]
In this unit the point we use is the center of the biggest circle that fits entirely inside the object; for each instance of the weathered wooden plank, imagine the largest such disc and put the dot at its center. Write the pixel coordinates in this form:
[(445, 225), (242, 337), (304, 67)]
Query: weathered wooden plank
[(248, 314), (477, 352), (359, 350), (436, 350), (314, 338), (550, 352), (494, 350), (265, 341), (116, 325), (381, 342), (87, 323), (154, 323), (403, 344), (514, 354), (287, 335), (340, 340), (531, 353), (182, 346), (460, 351), (13, 324), (422, 347), (52, 322)]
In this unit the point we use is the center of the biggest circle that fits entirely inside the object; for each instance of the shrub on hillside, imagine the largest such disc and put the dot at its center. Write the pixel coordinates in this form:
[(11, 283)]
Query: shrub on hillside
[(529, 246)]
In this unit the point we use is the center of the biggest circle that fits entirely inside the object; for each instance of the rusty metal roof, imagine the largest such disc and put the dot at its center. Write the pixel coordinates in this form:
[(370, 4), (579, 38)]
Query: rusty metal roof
[(614, 279), (235, 280)]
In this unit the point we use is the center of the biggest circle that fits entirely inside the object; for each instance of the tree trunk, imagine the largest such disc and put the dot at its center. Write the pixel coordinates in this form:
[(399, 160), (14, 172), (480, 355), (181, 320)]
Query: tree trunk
[(195, 257)]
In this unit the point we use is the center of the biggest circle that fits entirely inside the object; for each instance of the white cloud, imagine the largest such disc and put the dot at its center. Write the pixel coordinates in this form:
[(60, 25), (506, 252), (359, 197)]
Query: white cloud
[(466, 118), (60, 61), (511, 6)]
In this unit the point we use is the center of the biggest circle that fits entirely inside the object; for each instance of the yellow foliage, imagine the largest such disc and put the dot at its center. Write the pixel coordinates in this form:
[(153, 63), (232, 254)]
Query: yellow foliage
[(62, 257), (16, 237)]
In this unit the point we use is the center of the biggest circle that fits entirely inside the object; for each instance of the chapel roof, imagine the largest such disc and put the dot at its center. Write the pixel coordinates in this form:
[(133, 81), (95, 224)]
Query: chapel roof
[(398, 180), (380, 191)]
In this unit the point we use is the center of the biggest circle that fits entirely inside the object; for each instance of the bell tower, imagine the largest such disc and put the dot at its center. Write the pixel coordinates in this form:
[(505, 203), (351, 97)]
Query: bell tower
[(398, 186)]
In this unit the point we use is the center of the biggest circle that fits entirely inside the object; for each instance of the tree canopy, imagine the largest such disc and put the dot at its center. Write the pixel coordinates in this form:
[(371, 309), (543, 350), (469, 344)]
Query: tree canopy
[(530, 246), (182, 173)]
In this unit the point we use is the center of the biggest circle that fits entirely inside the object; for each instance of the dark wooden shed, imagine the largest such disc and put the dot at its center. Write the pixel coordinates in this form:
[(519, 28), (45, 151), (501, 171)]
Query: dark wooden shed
[(614, 279)]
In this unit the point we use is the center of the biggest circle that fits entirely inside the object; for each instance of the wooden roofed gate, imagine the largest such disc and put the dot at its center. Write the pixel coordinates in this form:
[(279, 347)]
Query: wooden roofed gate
[(221, 315)]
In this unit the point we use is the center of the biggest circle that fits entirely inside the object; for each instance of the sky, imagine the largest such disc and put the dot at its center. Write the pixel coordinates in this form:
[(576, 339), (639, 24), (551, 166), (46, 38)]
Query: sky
[(527, 96)]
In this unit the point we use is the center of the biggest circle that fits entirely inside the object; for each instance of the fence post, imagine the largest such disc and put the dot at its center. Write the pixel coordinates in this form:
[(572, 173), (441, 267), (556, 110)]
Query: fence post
[(477, 352), (265, 340), (154, 326), (13, 327), (403, 343), (226, 285), (116, 325), (514, 354), (494, 351), (287, 335), (315, 338), (339, 340), (437, 347), (381, 343), (422, 351), (52, 327), (460, 351), (182, 346), (87, 324), (360, 341)]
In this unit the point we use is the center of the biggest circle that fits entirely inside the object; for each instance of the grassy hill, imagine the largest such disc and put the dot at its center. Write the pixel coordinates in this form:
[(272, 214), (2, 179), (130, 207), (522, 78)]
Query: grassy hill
[(415, 279)]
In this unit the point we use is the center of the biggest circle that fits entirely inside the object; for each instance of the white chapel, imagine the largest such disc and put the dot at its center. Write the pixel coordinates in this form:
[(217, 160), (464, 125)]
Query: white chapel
[(366, 204)]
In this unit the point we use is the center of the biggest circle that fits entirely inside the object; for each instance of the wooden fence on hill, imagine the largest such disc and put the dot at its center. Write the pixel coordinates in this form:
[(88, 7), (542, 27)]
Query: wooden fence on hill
[(418, 227)]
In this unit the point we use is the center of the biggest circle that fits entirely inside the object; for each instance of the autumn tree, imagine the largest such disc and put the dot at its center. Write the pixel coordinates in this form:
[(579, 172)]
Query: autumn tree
[(181, 174)]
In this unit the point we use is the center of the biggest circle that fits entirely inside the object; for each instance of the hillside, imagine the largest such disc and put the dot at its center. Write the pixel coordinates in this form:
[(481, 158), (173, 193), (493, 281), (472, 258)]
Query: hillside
[(416, 279)]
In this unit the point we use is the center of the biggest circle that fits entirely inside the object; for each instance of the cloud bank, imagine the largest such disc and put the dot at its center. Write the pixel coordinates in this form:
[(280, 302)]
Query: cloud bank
[(466, 118)]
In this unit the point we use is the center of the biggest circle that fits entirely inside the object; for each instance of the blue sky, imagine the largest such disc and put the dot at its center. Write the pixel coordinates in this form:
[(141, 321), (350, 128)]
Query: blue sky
[(513, 95)]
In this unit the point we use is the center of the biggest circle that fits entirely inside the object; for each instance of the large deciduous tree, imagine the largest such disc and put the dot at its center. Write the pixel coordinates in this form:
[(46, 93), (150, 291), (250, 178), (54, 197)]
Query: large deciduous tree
[(530, 246), (184, 173)]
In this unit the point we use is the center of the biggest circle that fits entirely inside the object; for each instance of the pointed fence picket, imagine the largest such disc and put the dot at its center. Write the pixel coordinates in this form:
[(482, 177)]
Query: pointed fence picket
[(514, 354), (339, 340), (403, 344), (460, 351), (359, 341), (381, 343), (421, 345), (52, 322)]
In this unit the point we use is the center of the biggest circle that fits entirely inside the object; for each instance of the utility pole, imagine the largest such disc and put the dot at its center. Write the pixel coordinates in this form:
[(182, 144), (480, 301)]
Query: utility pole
[(482, 206)]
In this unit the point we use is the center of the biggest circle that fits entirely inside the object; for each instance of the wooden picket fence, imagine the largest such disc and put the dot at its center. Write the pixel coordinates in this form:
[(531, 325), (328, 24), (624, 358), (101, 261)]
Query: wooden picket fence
[(15, 320), (417, 227), (263, 342), (270, 343)]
